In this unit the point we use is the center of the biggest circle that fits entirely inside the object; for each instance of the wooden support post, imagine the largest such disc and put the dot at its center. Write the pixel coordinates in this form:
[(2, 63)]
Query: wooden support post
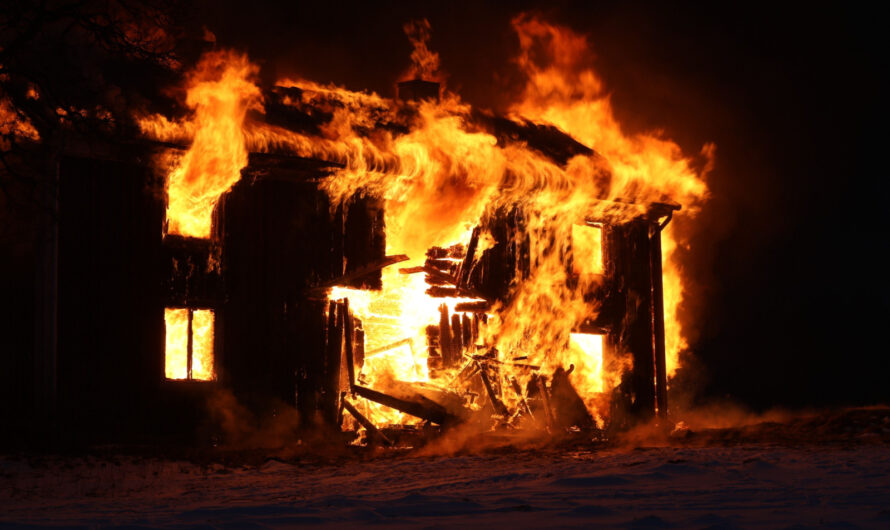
[(189, 345), (348, 334), (457, 338), (373, 431), (545, 399), (637, 333), (658, 319), (464, 274), (445, 337), (496, 403), (467, 328), (334, 342), (359, 346)]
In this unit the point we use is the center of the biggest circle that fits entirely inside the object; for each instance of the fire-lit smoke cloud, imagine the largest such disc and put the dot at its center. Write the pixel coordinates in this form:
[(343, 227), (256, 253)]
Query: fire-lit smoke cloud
[(424, 62)]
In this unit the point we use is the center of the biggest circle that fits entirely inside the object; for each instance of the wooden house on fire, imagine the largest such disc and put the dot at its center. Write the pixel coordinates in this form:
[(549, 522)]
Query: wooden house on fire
[(142, 327)]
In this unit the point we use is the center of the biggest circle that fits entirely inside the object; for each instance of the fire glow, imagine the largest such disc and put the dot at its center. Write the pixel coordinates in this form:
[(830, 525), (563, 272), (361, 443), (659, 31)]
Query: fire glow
[(189, 344), (439, 179)]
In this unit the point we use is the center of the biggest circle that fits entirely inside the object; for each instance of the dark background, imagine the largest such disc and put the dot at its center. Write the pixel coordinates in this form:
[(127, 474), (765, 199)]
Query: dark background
[(789, 298)]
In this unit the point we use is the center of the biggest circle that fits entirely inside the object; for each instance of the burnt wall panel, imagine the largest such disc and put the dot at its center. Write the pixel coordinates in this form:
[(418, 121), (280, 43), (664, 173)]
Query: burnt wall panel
[(364, 240), (629, 262), (278, 241)]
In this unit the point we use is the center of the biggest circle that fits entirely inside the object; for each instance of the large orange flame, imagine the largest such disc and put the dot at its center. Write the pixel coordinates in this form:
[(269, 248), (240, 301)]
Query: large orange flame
[(563, 90), (220, 92)]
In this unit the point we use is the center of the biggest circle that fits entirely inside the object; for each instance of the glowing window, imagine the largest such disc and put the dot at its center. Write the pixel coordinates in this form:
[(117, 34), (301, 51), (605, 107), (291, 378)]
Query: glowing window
[(587, 250), (587, 356), (189, 345)]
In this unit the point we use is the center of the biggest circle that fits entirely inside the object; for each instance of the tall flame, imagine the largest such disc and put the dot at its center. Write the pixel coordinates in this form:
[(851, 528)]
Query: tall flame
[(220, 92), (563, 91), (424, 62)]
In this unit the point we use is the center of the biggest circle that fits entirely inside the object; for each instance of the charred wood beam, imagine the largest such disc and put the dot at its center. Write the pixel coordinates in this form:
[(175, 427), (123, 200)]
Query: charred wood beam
[(457, 336), (348, 333), (632, 254), (489, 360), (359, 343), (429, 411), (545, 399), (340, 410), (437, 276), (373, 431), (321, 290), (388, 347), (473, 307), (333, 352), (591, 328), (661, 398), (467, 328), (514, 384), (445, 342), (496, 403), (464, 273), (437, 291), (469, 370)]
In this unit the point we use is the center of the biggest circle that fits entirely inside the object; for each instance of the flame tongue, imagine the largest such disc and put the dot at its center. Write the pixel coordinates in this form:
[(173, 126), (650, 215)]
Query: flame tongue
[(220, 93)]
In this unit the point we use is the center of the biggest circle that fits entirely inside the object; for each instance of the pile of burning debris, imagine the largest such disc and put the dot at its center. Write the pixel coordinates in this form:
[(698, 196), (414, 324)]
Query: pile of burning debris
[(469, 384)]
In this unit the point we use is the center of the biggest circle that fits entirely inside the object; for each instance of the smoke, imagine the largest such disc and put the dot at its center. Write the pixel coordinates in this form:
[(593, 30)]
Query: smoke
[(424, 62), (239, 428)]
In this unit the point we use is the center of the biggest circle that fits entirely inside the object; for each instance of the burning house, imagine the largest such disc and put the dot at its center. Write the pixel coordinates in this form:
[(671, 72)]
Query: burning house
[(385, 267)]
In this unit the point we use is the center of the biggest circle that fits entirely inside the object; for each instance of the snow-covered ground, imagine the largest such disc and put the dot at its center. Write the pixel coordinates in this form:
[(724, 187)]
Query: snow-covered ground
[(835, 486)]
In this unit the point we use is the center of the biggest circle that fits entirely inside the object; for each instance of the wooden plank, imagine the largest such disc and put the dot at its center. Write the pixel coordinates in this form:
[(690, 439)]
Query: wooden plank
[(514, 384), (388, 347), (464, 273), (321, 290), (373, 431), (467, 327), (473, 307), (359, 355), (428, 411), (661, 397), (348, 334), (545, 399), (445, 337), (457, 337), (496, 403), (438, 291), (331, 376)]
